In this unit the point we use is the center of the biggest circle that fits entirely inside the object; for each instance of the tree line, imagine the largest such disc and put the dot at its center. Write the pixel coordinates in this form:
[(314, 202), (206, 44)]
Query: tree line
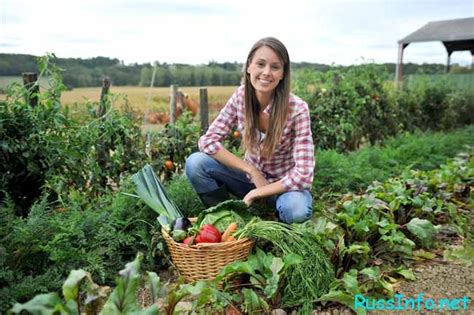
[(89, 72)]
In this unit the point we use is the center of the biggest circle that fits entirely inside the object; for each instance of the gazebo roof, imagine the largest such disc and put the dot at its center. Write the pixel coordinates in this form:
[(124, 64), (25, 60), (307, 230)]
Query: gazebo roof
[(458, 30)]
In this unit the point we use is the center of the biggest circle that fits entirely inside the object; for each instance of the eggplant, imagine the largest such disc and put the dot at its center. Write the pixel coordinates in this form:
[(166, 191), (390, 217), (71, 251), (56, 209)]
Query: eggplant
[(181, 224)]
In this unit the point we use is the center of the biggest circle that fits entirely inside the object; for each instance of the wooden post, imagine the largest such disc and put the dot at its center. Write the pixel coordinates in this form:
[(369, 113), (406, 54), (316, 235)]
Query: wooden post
[(174, 92), (29, 81), (102, 150), (103, 94), (399, 67), (448, 63), (204, 110)]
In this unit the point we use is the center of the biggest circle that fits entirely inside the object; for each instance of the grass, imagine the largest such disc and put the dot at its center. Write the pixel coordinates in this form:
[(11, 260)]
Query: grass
[(463, 81), (6, 80), (341, 173)]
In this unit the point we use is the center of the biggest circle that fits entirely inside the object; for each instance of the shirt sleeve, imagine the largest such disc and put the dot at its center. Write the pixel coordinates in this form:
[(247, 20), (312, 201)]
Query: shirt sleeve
[(210, 143), (301, 176)]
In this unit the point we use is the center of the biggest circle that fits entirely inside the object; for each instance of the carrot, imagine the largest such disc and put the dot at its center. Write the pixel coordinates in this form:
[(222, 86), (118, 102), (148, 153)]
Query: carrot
[(230, 239), (227, 233)]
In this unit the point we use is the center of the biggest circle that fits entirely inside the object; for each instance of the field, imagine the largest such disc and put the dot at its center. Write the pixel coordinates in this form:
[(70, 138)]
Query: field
[(463, 81), (143, 99)]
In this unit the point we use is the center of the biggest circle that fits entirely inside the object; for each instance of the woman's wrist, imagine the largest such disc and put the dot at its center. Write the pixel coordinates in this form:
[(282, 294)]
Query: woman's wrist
[(253, 171)]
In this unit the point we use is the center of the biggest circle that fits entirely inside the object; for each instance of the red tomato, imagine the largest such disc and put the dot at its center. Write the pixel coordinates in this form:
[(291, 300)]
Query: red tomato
[(208, 234), (169, 165)]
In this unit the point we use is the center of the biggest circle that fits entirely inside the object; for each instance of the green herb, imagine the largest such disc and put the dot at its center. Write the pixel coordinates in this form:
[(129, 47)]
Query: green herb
[(307, 280), (152, 192)]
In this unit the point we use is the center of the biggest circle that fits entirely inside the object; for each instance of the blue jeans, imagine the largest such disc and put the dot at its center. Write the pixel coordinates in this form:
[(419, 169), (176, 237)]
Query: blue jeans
[(206, 175)]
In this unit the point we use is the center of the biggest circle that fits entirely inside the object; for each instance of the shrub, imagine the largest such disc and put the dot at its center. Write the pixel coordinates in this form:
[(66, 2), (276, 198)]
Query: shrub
[(98, 234), (356, 106), (44, 148)]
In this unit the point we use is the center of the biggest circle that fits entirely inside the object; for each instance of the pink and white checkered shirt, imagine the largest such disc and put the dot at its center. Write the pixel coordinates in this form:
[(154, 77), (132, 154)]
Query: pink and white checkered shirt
[(293, 159)]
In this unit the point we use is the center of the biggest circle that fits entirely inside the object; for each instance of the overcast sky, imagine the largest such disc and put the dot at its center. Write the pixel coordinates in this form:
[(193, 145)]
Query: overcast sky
[(197, 31)]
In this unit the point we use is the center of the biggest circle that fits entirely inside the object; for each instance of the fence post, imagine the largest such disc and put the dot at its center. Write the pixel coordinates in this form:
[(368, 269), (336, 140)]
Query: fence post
[(103, 94), (174, 95), (204, 110), (29, 81), (102, 150)]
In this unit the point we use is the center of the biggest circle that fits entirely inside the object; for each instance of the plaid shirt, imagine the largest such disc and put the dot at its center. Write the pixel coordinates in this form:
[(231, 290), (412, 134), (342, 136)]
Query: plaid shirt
[(293, 159)]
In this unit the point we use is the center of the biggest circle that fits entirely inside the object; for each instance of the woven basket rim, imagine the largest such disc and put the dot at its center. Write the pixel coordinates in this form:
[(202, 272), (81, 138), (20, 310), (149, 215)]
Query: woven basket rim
[(220, 245)]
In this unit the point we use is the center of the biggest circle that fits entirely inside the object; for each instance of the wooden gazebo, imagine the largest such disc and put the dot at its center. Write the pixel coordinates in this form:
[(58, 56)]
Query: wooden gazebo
[(456, 35)]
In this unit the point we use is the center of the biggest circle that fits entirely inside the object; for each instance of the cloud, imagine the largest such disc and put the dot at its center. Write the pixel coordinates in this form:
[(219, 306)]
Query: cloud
[(8, 45), (195, 32)]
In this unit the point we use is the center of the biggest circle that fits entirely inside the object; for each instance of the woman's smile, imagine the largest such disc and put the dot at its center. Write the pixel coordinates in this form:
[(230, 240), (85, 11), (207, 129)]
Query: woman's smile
[(266, 71)]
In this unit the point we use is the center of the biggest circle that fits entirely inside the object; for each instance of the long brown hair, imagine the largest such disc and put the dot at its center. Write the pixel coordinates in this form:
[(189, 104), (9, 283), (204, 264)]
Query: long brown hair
[(279, 109)]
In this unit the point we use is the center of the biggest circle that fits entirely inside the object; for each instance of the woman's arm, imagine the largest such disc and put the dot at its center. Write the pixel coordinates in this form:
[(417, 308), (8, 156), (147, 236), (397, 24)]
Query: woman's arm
[(230, 160), (264, 191)]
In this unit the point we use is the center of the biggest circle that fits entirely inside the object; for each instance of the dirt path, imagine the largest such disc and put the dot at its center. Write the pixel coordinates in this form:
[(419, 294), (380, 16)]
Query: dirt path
[(441, 281), (436, 281)]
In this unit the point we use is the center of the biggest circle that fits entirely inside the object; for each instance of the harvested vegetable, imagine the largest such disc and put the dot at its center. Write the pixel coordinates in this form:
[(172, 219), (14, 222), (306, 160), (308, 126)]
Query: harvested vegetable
[(178, 235), (229, 231), (189, 240), (152, 192), (306, 281), (181, 224), (225, 213), (208, 234), (230, 239)]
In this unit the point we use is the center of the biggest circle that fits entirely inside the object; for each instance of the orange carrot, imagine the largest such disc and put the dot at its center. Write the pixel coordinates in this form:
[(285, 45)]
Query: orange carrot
[(227, 233), (230, 239)]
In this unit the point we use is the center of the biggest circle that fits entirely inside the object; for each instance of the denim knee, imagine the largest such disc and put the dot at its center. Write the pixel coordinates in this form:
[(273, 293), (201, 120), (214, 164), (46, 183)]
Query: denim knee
[(194, 163), (196, 171), (294, 206)]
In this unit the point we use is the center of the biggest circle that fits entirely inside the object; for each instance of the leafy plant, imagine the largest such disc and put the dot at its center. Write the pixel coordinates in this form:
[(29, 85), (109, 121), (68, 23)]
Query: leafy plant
[(122, 300), (266, 271), (305, 281), (174, 143), (152, 192)]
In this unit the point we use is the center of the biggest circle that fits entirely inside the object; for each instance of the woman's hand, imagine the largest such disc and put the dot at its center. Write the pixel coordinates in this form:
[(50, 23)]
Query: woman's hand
[(257, 178), (250, 197)]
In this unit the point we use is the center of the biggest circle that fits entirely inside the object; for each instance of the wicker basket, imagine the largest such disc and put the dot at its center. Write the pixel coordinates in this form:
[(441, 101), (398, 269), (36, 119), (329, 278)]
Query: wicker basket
[(205, 261)]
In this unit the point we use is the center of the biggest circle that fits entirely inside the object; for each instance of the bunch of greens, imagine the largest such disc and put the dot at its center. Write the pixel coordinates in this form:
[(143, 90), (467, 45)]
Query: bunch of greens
[(225, 213), (307, 280)]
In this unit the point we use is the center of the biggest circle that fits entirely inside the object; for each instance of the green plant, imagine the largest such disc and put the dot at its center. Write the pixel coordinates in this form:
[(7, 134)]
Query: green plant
[(45, 149), (267, 272), (152, 192), (358, 105), (184, 196), (97, 234), (348, 108), (122, 300), (339, 173), (305, 281), (175, 142)]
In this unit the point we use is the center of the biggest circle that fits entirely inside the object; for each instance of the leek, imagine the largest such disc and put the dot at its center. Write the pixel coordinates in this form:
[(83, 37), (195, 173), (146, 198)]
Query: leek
[(152, 192)]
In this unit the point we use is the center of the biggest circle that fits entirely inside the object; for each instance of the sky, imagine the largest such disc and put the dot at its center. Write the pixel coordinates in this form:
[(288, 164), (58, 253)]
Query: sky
[(339, 32)]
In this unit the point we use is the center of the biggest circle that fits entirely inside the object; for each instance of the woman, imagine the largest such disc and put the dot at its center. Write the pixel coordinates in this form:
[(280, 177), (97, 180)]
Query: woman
[(279, 153)]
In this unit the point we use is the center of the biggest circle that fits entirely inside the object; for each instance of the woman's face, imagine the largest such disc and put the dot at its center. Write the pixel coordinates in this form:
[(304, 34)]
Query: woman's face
[(265, 70)]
